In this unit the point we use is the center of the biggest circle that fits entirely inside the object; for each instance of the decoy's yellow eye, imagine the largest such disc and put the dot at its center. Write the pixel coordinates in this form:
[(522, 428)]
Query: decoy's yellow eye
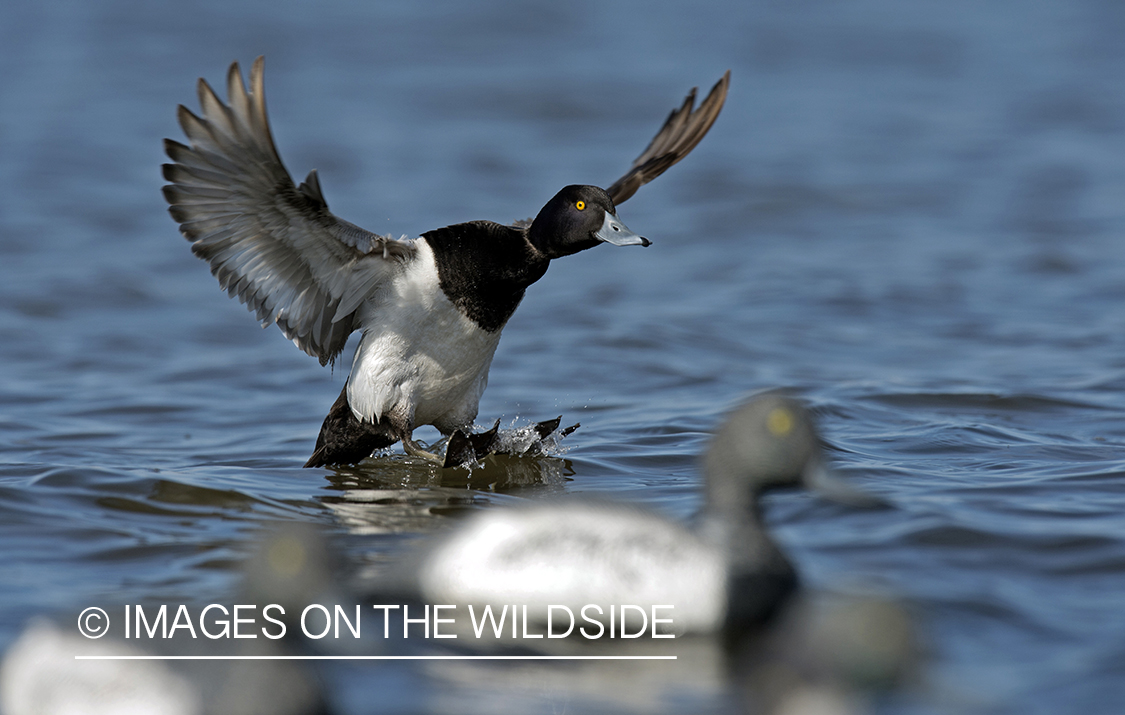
[(779, 422), (580, 205)]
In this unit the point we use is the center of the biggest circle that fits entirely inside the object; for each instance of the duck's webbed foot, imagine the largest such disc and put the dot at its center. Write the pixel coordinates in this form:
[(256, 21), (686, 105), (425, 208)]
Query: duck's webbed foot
[(468, 448), (411, 447), (546, 427), (464, 449)]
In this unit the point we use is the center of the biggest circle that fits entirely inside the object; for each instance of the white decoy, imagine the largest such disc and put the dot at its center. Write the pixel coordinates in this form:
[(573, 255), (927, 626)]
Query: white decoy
[(292, 565), (723, 575)]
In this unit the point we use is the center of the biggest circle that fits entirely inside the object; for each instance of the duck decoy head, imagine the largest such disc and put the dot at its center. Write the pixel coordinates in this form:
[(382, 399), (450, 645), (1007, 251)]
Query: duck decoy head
[(768, 442), (771, 442)]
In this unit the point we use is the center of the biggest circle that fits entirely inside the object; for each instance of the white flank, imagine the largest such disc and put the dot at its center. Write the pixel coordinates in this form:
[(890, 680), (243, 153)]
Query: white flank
[(574, 554)]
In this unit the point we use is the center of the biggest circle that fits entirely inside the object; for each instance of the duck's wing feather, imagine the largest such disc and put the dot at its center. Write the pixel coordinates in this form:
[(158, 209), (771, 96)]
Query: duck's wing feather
[(683, 129), (270, 242)]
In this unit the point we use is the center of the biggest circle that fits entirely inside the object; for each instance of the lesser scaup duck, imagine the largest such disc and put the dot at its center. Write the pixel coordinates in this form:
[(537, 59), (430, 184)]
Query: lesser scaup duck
[(724, 575), (431, 309)]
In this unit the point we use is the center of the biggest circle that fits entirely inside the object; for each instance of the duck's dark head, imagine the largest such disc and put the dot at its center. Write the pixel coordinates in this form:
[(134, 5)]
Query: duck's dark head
[(577, 218)]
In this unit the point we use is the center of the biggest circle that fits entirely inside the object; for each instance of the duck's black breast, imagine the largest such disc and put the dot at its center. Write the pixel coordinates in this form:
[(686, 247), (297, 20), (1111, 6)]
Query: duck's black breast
[(484, 268)]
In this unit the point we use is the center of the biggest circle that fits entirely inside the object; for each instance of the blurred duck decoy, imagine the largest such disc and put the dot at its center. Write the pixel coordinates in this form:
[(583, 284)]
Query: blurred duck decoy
[(431, 308), (725, 575), (291, 565)]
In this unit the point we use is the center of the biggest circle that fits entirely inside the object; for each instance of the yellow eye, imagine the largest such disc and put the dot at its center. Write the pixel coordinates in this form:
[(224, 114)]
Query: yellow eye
[(580, 205), (779, 422)]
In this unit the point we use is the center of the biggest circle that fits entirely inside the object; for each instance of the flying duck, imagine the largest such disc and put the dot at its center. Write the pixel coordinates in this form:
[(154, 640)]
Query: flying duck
[(431, 309), (724, 574)]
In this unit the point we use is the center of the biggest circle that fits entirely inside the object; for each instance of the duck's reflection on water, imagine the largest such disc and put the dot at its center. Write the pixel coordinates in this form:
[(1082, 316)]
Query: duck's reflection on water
[(399, 494)]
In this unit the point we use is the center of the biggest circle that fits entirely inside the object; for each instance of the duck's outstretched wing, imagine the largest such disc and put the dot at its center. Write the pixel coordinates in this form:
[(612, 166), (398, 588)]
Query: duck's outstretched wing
[(273, 244), (684, 128)]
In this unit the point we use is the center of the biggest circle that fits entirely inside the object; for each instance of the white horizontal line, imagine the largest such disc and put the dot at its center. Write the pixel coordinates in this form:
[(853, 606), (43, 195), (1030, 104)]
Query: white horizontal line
[(375, 657)]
